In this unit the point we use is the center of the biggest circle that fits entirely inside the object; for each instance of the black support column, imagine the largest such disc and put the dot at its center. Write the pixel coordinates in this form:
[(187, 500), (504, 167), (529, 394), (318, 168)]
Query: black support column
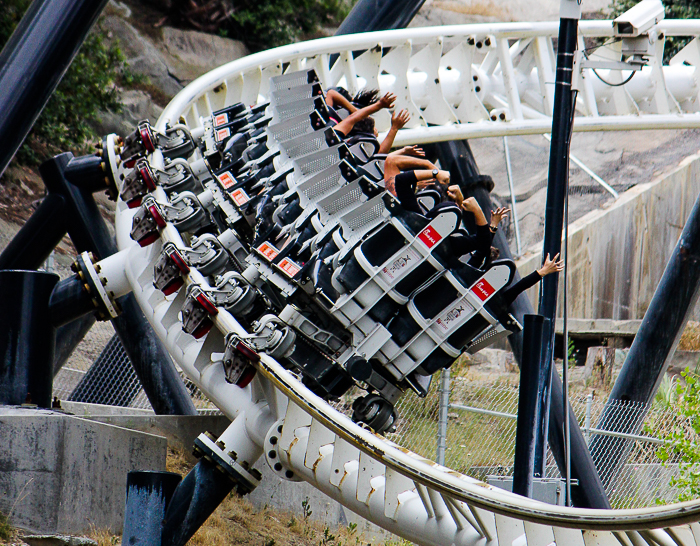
[(27, 340), (653, 346), (34, 61), (88, 231)]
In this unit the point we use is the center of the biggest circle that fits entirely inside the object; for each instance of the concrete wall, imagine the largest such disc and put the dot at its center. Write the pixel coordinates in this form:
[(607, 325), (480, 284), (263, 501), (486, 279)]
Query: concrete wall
[(64, 474), (280, 495), (617, 254)]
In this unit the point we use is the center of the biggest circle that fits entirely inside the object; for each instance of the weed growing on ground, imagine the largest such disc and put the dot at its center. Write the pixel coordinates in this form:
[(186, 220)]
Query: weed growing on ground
[(7, 532)]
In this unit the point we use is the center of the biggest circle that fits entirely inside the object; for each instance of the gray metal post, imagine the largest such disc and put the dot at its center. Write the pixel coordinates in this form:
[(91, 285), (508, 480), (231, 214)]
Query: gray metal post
[(442, 416), (587, 423), (526, 431), (28, 337)]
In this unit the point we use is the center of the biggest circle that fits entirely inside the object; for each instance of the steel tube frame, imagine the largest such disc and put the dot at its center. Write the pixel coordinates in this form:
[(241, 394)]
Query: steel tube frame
[(88, 231), (525, 432), (554, 218), (70, 208), (34, 61)]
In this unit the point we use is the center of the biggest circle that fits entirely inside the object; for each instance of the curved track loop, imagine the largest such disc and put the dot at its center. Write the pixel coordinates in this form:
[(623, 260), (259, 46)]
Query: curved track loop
[(468, 81), (396, 489)]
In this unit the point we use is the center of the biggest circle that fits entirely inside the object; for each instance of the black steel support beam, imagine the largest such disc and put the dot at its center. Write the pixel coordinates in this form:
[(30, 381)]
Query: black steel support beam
[(37, 238), (194, 500), (68, 337), (557, 188), (89, 232), (27, 340), (525, 432), (69, 301), (34, 61), (372, 15), (653, 346)]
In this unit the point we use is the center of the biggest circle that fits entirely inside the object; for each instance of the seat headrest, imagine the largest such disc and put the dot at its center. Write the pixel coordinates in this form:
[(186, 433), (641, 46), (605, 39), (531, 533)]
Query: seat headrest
[(508, 263)]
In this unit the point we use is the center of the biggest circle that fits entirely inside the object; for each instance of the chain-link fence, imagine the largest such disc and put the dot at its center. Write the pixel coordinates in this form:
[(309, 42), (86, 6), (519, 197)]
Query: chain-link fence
[(479, 438), (473, 429)]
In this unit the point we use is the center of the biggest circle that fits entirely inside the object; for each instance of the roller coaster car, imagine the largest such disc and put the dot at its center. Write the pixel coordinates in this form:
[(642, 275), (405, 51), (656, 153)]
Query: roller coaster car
[(295, 232)]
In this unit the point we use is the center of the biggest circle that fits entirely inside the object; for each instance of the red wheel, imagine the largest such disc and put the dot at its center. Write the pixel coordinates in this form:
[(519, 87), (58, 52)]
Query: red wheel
[(147, 138)]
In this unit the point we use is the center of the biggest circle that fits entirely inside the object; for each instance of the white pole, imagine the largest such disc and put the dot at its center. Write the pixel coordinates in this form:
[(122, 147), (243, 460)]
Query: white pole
[(509, 173)]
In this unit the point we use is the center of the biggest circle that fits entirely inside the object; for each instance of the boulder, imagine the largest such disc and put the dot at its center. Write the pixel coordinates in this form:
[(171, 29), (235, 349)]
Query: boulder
[(142, 56), (136, 106), (189, 54)]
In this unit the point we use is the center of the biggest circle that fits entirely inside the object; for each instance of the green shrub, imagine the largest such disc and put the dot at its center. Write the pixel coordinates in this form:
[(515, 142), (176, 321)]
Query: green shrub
[(88, 87), (682, 441), (261, 24), (6, 530)]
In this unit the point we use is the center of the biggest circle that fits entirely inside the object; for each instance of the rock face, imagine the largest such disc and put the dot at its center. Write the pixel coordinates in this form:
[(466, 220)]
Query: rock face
[(142, 55), (460, 12), (168, 58), (189, 54), (136, 106)]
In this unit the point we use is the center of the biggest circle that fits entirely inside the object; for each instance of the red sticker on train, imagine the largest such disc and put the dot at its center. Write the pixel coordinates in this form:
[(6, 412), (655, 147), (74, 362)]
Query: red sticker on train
[(289, 267), (227, 179), (221, 134), (430, 237), (483, 290), (269, 251)]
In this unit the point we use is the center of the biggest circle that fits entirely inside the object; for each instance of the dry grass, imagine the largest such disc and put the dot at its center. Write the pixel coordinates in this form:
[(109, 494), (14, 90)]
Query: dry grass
[(690, 340), (104, 538), (237, 523)]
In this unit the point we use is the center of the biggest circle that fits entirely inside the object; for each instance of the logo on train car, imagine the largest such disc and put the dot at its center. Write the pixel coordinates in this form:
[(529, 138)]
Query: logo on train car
[(240, 197), (220, 119), (430, 237), (483, 290), (289, 267), (269, 251), (221, 134), (451, 318), (400, 265), (227, 179)]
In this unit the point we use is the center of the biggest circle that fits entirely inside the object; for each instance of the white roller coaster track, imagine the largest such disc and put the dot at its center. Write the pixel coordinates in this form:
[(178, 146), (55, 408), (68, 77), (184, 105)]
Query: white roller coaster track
[(457, 78), (396, 489)]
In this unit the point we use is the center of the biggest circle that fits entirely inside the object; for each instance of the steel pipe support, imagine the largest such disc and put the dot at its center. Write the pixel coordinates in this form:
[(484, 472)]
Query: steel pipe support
[(27, 342), (148, 494), (653, 346), (225, 464), (524, 461), (34, 61)]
